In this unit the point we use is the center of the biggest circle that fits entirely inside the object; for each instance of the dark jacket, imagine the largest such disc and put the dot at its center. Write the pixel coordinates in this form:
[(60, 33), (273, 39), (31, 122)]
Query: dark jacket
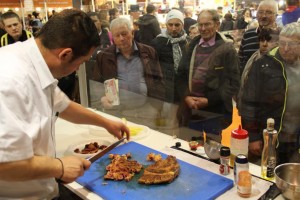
[(164, 50), (241, 24), (6, 39), (267, 95), (227, 25), (222, 80), (106, 68), (264, 94), (149, 28)]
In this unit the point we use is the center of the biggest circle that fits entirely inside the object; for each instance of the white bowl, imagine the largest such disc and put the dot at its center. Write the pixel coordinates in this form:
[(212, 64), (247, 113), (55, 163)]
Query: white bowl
[(81, 145)]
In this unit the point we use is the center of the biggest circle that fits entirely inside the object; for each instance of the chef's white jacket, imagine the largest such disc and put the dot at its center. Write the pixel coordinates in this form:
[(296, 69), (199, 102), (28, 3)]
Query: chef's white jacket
[(29, 102)]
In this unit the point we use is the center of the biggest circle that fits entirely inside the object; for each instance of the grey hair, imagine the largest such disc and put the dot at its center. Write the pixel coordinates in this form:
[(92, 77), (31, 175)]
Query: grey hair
[(270, 3), (291, 30), (121, 22), (214, 13)]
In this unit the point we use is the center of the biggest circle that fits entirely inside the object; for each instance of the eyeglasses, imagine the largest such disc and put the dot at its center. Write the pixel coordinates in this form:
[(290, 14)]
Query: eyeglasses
[(174, 24), (291, 44), (266, 12)]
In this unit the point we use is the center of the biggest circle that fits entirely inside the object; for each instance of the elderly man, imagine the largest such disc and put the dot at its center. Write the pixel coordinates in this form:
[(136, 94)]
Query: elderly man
[(170, 47), (135, 65), (210, 72), (31, 102), (13, 27), (266, 16), (272, 90)]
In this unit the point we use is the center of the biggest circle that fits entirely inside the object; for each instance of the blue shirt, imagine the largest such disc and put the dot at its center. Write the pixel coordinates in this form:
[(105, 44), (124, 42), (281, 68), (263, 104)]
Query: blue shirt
[(131, 72)]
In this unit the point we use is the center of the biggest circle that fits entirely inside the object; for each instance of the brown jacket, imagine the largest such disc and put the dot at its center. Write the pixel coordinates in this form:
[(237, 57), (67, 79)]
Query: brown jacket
[(106, 68)]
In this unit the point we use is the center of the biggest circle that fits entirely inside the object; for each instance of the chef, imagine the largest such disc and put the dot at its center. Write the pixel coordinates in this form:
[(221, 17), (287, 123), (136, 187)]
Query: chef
[(31, 102)]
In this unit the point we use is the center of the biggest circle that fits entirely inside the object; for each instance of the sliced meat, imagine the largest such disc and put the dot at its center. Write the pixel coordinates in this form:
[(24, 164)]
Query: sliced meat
[(162, 171), (122, 169)]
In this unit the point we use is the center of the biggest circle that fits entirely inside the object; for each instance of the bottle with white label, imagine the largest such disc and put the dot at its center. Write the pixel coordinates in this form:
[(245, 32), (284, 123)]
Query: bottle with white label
[(268, 159)]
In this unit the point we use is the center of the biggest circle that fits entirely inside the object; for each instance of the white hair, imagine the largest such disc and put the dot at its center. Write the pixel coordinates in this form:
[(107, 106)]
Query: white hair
[(120, 21), (273, 4), (291, 30)]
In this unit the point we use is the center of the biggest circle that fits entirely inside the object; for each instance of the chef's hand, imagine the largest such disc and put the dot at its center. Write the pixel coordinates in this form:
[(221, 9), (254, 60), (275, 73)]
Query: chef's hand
[(117, 129), (255, 147), (106, 103), (196, 102), (73, 167)]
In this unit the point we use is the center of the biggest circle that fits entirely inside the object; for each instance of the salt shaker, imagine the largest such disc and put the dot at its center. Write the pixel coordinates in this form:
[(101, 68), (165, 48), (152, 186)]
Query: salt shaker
[(224, 160)]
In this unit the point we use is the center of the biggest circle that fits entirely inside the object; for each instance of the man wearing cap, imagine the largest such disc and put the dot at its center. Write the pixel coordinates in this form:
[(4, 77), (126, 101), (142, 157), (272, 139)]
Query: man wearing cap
[(13, 27), (148, 25), (170, 47)]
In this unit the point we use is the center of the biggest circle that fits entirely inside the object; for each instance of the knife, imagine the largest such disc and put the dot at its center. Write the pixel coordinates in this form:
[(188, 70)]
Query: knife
[(104, 151)]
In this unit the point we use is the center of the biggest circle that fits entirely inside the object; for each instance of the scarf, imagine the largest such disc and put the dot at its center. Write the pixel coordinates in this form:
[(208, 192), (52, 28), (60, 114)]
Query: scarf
[(177, 54)]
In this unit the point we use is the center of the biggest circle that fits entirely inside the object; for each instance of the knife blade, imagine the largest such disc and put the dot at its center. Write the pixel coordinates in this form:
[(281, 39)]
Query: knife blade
[(104, 151)]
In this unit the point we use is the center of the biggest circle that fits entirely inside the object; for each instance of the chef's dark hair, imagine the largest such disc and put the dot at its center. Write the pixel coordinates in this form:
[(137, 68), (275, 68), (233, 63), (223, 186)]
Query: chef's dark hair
[(70, 29)]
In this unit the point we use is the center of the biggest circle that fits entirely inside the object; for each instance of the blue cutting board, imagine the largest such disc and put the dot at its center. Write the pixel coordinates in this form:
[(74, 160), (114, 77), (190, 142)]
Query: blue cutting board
[(192, 183)]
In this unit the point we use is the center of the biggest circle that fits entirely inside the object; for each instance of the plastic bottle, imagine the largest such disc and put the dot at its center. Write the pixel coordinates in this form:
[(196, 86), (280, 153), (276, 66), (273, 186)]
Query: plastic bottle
[(239, 142), (268, 160), (224, 160)]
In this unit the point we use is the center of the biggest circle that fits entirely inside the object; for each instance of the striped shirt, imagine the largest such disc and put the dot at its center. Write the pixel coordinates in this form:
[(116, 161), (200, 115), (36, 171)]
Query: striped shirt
[(249, 44)]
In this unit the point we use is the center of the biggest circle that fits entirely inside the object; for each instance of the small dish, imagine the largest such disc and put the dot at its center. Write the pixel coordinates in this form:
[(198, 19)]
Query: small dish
[(81, 145), (193, 145)]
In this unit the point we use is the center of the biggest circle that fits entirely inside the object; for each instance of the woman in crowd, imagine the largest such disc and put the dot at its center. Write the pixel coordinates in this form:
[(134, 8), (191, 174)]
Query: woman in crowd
[(245, 19)]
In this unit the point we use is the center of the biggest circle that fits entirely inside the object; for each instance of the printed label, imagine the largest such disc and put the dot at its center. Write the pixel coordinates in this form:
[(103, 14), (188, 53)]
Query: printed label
[(112, 91), (270, 167)]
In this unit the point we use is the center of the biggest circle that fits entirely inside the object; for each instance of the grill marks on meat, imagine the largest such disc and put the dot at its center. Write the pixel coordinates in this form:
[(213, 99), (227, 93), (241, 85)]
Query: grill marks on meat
[(122, 169), (162, 171)]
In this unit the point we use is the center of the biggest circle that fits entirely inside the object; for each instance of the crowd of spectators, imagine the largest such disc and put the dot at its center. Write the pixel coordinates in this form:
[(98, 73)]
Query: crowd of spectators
[(193, 63)]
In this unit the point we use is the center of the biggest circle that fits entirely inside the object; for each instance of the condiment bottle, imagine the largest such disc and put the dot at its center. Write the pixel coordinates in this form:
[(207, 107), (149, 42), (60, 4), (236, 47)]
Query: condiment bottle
[(268, 160), (224, 160), (242, 177), (239, 142)]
